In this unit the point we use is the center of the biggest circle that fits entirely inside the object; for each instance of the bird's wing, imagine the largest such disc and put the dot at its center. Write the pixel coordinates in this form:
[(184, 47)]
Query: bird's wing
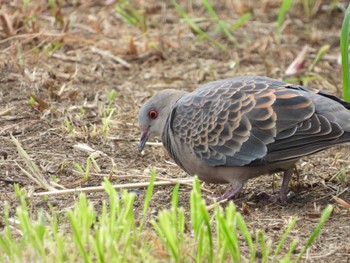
[(252, 121)]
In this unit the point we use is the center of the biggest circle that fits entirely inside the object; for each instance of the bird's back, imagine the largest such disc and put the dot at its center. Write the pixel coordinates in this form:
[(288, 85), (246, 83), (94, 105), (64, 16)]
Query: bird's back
[(254, 121)]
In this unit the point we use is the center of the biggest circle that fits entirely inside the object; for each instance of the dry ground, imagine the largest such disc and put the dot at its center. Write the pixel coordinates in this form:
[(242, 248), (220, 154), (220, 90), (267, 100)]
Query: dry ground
[(69, 62)]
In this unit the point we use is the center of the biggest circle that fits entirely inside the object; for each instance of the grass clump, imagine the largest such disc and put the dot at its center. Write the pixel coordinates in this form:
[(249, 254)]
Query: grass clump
[(115, 234)]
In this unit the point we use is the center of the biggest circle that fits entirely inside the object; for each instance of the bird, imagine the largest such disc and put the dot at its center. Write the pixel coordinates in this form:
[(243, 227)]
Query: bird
[(232, 130)]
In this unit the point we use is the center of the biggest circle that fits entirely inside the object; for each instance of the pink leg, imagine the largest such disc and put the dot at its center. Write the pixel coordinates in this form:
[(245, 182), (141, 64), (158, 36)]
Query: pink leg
[(231, 193), (282, 196)]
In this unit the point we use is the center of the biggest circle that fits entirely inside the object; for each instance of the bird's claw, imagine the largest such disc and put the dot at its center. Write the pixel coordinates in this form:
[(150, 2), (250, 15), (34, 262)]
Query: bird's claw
[(281, 198), (230, 194)]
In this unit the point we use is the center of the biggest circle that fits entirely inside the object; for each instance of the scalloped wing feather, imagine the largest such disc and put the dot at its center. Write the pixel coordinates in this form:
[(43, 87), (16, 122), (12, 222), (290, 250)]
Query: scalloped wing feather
[(255, 121)]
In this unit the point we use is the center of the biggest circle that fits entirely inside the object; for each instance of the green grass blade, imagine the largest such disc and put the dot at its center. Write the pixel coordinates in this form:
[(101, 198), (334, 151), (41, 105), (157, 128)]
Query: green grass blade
[(227, 232), (221, 24), (320, 54), (77, 238), (208, 232), (195, 27), (148, 197), (210, 10), (291, 250), (81, 220), (285, 235), (189, 21), (265, 247), (324, 217), (244, 18), (168, 233), (244, 229), (36, 174), (175, 197), (57, 237), (6, 239), (132, 20), (286, 5), (344, 47)]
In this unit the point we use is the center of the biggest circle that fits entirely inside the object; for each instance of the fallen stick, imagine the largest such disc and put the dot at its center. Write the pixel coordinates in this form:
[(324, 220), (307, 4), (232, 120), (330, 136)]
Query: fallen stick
[(7, 111), (123, 176), (342, 202), (108, 54), (211, 206), (101, 188)]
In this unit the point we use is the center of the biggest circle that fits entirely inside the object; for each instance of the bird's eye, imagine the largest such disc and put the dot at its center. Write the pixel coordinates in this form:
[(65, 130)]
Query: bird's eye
[(153, 114)]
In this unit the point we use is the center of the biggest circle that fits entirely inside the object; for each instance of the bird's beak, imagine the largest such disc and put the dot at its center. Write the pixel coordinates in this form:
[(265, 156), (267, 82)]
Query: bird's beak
[(143, 140)]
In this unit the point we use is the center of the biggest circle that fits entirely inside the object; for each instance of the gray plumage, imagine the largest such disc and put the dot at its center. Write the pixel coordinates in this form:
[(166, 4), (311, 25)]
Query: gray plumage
[(229, 131)]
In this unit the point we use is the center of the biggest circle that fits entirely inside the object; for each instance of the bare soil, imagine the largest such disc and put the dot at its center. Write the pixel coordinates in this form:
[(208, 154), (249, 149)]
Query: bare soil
[(67, 58)]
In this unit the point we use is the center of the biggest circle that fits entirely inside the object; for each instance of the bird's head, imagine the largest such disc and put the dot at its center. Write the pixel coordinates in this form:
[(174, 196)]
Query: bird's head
[(154, 113)]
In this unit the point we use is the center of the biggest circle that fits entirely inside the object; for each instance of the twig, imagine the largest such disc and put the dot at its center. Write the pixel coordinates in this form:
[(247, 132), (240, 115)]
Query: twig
[(171, 163), (12, 118), (330, 195), (210, 207), (31, 36), (101, 188), (343, 161), (154, 143), (320, 255), (341, 202), (123, 123), (86, 148), (148, 177), (108, 54), (36, 175), (5, 112), (37, 180), (66, 58), (57, 185)]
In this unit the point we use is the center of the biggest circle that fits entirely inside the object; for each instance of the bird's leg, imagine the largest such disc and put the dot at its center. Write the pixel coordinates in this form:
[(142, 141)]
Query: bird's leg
[(232, 192), (282, 196)]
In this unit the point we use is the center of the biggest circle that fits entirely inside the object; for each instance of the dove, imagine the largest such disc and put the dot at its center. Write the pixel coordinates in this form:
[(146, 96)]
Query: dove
[(232, 130)]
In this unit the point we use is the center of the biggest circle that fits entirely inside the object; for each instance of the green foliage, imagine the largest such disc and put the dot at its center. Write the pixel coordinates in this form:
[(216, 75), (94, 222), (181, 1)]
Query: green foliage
[(84, 172), (284, 237), (25, 3), (114, 234), (111, 96), (308, 6), (52, 47), (286, 5), (344, 47), (107, 116), (240, 21), (325, 215), (201, 225), (90, 161), (131, 15), (230, 226), (192, 24), (220, 25), (320, 54), (147, 199), (68, 126), (34, 172)]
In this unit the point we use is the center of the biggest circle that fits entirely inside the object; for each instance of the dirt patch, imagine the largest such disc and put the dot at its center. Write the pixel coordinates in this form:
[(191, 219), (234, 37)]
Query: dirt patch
[(74, 61)]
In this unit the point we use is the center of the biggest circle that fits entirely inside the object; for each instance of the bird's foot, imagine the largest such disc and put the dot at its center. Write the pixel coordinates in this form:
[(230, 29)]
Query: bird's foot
[(281, 197), (230, 194)]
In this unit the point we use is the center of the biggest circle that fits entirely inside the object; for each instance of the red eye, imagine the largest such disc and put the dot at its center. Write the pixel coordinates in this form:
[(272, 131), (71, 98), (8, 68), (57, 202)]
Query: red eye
[(153, 114)]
